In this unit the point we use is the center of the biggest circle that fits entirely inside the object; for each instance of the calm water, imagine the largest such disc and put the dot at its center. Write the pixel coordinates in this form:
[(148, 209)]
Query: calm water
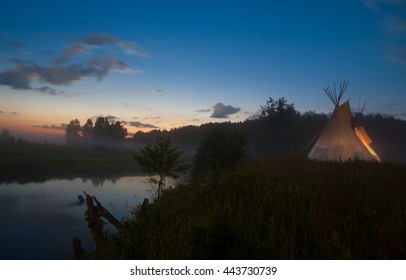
[(39, 220)]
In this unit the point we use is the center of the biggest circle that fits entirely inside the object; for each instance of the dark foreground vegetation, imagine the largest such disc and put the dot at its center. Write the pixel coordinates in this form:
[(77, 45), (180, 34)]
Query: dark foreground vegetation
[(278, 209)]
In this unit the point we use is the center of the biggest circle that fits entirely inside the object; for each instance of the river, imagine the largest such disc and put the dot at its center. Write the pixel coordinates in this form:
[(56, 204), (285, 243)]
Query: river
[(39, 220)]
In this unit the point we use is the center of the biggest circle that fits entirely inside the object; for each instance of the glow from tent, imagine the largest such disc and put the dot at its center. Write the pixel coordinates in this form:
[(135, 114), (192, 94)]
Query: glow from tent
[(366, 141)]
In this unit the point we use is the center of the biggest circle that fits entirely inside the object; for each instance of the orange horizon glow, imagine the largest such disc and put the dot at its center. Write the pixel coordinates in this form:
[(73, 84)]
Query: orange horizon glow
[(41, 129)]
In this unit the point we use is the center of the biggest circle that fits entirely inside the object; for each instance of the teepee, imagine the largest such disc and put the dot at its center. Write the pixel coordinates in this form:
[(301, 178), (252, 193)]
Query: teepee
[(340, 140)]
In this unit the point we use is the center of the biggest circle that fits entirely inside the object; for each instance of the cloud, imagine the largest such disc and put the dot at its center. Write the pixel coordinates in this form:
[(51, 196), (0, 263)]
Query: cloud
[(11, 113), (141, 125), (62, 126), (203, 110), (110, 117), (152, 118), (70, 51), (138, 90), (14, 60), (222, 111), (96, 41), (50, 90), (22, 76), (99, 40), (19, 77), (64, 71)]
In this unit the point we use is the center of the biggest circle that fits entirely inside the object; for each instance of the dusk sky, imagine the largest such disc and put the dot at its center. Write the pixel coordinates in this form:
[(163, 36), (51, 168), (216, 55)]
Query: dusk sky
[(165, 64)]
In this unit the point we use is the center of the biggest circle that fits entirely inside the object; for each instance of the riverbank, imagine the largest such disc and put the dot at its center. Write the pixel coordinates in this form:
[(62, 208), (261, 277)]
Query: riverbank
[(280, 209)]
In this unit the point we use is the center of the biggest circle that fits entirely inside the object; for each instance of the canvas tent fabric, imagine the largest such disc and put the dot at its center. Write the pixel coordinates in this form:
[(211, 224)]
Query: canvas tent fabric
[(340, 141), (363, 136)]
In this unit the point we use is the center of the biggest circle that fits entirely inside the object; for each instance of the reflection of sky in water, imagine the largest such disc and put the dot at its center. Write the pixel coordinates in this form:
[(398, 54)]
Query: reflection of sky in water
[(39, 220)]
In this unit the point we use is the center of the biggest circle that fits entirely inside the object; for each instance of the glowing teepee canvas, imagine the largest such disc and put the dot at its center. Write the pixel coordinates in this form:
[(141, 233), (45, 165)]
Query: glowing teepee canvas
[(339, 140)]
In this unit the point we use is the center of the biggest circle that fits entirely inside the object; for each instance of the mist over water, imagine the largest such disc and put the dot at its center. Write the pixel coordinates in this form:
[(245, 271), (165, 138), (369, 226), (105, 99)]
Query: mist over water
[(39, 220)]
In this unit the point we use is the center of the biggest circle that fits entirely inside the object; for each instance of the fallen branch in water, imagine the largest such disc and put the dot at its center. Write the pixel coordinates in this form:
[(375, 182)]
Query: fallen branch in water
[(95, 222), (103, 212), (94, 214)]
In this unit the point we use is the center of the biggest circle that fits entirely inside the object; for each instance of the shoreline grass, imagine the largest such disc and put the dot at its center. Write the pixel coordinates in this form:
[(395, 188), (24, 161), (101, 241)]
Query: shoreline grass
[(278, 209)]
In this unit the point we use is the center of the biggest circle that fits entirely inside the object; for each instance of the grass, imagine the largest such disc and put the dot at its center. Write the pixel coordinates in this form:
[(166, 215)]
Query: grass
[(280, 209)]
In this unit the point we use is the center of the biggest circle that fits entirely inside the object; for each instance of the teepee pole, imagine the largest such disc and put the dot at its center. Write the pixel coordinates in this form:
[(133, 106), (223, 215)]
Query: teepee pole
[(332, 92)]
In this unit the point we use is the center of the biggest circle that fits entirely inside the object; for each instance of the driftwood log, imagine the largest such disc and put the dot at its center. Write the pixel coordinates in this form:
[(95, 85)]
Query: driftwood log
[(95, 221), (101, 211), (94, 215)]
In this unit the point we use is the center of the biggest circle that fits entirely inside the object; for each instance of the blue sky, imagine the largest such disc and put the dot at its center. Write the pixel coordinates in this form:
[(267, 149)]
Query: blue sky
[(164, 64)]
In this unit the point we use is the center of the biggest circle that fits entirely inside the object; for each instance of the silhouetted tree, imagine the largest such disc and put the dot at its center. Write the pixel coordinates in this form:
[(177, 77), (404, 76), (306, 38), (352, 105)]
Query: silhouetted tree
[(87, 132), (278, 128), (221, 149), (105, 132), (6, 138), (118, 131), (100, 130), (161, 159), (278, 107), (73, 132)]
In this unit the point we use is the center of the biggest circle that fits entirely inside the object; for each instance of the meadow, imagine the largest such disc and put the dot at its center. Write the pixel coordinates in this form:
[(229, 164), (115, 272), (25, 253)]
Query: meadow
[(273, 209)]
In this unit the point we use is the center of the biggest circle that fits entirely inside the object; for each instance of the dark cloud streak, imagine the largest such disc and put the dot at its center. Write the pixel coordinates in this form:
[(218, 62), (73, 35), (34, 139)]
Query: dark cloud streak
[(49, 90), (62, 73), (11, 113), (22, 76), (110, 117), (62, 126), (141, 125), (99, 40), (203, 111), (70, 51)]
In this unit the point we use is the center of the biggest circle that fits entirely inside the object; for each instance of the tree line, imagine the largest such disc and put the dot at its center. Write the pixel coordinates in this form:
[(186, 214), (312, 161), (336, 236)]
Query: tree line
[(7, 139), (278, 130), (102, 132)]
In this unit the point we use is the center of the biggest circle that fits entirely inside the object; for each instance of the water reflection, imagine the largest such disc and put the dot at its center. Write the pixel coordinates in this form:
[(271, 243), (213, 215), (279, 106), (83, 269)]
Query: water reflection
[(97, 180), (39, 220)]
